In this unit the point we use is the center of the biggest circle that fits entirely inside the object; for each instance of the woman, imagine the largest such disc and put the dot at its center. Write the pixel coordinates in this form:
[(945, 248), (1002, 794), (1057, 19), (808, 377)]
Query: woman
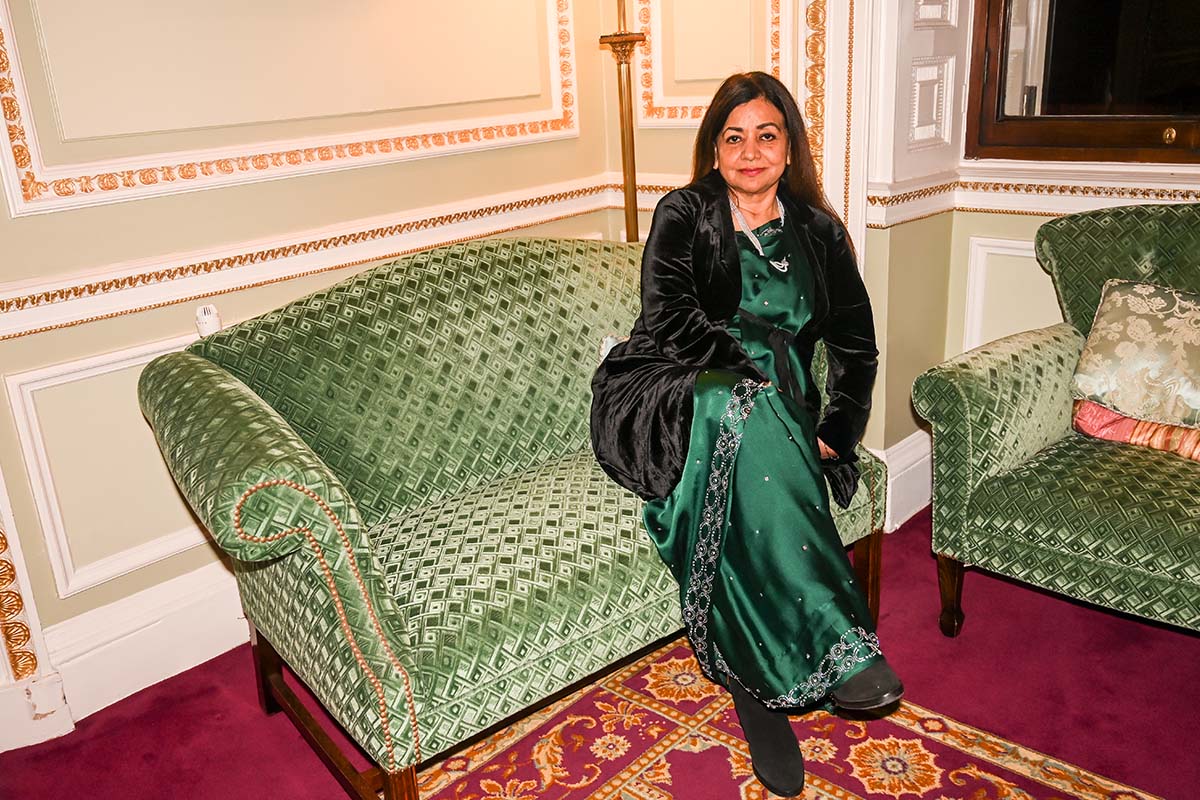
[(709, 413)]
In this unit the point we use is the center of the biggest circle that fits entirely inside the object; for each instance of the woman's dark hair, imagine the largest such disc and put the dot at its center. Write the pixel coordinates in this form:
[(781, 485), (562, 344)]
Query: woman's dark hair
[(800, 177)]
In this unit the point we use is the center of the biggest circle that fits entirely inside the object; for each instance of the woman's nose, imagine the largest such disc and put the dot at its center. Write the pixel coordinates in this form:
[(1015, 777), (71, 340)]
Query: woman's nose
[(750, 151)]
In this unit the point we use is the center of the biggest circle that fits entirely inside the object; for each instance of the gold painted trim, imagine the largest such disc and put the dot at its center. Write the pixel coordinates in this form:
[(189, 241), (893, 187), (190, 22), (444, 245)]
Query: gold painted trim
[(246, 259), (33, 188), (906, 197), (849, 116), (1069, 190), (1039, 189), (881, 226), (814, 82), (14, 625), (210, 266), (652, 111)]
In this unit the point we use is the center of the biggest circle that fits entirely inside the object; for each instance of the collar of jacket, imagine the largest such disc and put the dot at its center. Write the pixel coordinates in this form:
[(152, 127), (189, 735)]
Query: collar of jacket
[(716, 214)]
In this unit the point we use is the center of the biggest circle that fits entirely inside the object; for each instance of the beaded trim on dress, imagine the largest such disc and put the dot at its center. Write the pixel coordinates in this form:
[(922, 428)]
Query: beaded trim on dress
[(698, 597)]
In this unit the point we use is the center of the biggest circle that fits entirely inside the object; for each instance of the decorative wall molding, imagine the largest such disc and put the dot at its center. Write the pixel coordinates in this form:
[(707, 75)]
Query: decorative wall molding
[(70, 577), (657, 110), (979, 250), (34, 187), (1041, 189), (29, 307), (929, 111), (814, 35), (935, 14), (111, 652), (21, 642), (910, 477)]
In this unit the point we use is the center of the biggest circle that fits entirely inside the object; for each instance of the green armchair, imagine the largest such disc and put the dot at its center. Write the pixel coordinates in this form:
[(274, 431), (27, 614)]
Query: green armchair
[(1016, 491)]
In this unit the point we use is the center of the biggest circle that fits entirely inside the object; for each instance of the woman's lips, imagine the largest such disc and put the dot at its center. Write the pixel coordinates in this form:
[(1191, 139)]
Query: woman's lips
[(750, 173)]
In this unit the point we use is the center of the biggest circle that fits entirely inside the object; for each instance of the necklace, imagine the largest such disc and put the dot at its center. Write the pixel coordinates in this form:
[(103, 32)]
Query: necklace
[(781, 265)]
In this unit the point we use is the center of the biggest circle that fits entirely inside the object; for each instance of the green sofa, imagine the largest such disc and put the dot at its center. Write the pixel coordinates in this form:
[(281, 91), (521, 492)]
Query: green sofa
[(399, 468), (1017, 491)]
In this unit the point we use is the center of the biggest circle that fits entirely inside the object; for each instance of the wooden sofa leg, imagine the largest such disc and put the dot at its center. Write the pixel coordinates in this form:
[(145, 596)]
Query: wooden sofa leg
[(868, 560), (400, 785), (950, 584), (267, 663)]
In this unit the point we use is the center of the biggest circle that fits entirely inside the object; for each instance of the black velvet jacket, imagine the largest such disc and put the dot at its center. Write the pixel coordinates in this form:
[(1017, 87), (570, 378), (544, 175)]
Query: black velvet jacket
[(691, 288)]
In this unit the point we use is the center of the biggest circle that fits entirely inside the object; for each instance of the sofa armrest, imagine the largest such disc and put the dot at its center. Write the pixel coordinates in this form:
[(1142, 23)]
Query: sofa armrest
[(991, 408), (264, 494), (244, 471)]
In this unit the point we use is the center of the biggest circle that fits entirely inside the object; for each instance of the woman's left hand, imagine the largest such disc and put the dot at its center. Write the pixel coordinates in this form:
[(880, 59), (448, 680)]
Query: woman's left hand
[(825, 450)]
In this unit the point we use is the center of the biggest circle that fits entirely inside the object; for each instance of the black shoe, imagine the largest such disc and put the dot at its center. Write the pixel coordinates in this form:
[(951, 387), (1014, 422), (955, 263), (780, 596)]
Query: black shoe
[(875, 687), (774, 751)]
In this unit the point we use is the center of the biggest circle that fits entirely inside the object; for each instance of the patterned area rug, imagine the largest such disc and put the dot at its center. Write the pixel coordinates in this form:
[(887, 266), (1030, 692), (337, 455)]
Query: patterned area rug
[(657, 730)]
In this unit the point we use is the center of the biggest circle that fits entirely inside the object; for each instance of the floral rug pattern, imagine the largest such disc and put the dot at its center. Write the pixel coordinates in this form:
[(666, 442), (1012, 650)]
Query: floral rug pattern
[(657, 730)]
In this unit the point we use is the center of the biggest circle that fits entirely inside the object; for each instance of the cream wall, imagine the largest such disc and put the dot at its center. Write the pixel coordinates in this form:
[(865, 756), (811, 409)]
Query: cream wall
[(509, 138), (94, 281), (128, 208)]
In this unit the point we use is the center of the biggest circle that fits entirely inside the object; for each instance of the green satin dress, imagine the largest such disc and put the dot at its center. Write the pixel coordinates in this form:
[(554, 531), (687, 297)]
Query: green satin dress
[(767, 592)]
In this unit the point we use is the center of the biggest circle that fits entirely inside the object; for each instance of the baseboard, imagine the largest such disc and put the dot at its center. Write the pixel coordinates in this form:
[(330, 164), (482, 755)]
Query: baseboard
[(33, 711), (910, 478), (109, 653)]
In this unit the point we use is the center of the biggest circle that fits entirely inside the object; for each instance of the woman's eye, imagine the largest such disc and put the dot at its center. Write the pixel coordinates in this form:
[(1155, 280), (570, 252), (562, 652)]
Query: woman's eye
[(768, 137), (732, 139)]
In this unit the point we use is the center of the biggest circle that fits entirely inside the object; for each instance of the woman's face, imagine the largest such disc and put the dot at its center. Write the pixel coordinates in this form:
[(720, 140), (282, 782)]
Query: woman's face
[(752, 148)]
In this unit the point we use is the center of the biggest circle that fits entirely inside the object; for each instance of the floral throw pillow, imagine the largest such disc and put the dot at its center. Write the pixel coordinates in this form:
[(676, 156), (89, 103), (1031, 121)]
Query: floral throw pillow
[(1142, 358)]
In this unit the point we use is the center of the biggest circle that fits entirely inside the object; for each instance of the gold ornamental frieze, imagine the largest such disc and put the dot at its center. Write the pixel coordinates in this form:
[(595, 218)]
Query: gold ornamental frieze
[(814, 82), (14, 630), (1164, 194)]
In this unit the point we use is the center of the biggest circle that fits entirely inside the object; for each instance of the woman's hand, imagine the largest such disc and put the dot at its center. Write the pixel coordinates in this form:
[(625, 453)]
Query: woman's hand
[(825, 450)]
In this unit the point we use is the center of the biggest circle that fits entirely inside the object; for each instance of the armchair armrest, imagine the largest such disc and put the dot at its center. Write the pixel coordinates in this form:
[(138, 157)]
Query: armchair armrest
[(264, 494), (991, 408)]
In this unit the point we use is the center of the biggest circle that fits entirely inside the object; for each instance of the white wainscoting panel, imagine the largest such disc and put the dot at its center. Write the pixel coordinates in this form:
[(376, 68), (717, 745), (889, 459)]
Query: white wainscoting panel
[(70, 577), (1003, 299)]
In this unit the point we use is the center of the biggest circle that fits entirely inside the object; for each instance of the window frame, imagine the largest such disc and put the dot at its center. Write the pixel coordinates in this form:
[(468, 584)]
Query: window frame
[(989, 134)]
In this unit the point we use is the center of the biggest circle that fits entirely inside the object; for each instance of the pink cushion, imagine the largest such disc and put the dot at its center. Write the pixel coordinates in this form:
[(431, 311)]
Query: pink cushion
[(1093, 419)]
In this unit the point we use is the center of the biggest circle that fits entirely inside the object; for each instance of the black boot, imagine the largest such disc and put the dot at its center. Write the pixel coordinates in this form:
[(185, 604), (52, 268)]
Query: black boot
[(875, 687), (774, 752)]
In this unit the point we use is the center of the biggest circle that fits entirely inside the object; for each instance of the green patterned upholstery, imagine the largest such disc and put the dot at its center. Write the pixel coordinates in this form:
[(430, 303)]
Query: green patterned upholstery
[(1115, 525), (515, 585), (869, 505), (1147, 244), (1016, 491), (390, 375), (399, 466)]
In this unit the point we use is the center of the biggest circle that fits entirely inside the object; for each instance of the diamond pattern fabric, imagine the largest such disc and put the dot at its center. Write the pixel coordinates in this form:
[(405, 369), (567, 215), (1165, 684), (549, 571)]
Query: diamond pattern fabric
[(399, 466), (1016, 491), (390, 375), (511, 590), (1105, 522), (1145, 244)]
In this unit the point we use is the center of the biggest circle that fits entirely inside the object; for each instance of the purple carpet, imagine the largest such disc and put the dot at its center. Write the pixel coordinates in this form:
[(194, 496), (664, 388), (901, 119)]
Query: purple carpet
[(1110, 694)]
